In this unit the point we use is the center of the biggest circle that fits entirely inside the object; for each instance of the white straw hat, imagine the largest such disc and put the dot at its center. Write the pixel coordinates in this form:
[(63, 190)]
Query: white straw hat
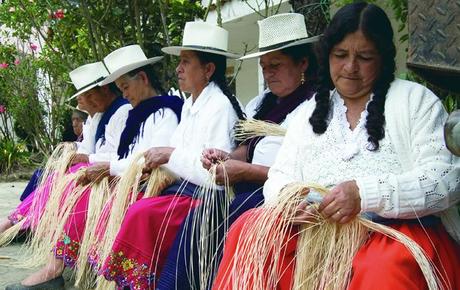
[(203, 36), (281, 31), (88, 76), (124, 60)]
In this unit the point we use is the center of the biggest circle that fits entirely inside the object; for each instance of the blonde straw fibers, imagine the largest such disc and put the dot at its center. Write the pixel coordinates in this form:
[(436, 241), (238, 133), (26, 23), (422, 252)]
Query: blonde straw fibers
[(251, 128), (54, 169), (325, 249), (125, 194)]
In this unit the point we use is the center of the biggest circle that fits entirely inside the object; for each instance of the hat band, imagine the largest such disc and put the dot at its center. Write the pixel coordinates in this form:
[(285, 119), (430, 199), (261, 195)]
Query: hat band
[(92, 83), (278, 45), (205, 47)]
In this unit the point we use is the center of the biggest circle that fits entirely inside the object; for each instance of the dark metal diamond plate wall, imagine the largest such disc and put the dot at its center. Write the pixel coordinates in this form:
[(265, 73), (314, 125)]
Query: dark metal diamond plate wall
[(434, 38)]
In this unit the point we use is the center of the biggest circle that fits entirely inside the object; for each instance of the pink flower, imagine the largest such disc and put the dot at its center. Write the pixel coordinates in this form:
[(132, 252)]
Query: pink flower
[(17, 61), (33, 47), (4, 65), (58, 14), (2, 109)]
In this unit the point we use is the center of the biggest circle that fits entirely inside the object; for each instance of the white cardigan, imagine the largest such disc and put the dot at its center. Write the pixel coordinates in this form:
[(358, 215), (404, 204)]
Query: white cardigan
[(429, 182)]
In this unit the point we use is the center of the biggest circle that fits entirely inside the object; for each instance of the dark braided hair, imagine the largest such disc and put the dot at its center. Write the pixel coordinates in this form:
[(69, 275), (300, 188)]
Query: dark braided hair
[(296, 53), (151, 75), (372, 21), (218, 77)]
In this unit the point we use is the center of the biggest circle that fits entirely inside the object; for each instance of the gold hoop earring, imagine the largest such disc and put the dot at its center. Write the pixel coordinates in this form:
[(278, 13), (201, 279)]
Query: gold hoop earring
[(302, 78)]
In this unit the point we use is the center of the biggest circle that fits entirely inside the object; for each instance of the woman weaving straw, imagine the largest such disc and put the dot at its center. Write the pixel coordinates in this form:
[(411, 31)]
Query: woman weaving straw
[(107, 130), (377, 142), (208, 115), (288, 71), (87, 102), (150, 123)]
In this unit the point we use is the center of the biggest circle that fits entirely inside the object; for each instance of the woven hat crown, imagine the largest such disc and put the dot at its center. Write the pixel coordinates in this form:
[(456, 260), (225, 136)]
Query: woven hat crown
[(88, 74), (123, 57), (280, 29)]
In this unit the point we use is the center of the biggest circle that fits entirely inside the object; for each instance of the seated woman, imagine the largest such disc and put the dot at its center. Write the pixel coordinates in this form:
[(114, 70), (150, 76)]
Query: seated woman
[(289, 71), (108, 129), (378, 142), (208, 116), (108, 114), (78, 120)]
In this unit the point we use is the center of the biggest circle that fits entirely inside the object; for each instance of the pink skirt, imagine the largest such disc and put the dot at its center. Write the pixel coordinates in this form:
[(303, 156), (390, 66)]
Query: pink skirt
[(143, 242), (33, 206)]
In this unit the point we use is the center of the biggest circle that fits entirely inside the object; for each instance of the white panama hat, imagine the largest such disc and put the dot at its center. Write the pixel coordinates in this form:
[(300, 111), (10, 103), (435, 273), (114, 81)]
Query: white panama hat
[(88, 76), (281, 31), (203, 36), (124, 60)]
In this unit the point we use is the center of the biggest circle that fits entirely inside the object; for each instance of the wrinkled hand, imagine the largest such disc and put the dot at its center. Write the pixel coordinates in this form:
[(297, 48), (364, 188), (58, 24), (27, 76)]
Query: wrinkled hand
[(95, 173), (211, 156), (156, 156), (343, 203), (80, 158), (234, 169)]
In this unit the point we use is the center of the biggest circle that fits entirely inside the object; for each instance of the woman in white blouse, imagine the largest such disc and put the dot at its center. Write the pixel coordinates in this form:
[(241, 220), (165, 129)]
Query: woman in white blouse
[(208, 117), (289, 71), (377, 142)]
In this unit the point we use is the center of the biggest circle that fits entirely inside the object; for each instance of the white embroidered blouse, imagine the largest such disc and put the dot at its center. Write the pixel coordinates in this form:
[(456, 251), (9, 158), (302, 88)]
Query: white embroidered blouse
[(411, 175), (206, 123)]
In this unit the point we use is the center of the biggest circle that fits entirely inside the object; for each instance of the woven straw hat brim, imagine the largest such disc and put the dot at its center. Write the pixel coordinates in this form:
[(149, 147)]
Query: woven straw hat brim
[(294, 43), (127, 68), (84, 90), (175, 50)]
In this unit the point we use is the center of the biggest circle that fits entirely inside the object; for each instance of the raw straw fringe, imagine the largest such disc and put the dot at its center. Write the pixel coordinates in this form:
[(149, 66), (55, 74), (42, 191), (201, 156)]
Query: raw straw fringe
[(325, 250), (251, 128), (51, 226), (55, 168), (100, 192), (125, 194), (208, 220)]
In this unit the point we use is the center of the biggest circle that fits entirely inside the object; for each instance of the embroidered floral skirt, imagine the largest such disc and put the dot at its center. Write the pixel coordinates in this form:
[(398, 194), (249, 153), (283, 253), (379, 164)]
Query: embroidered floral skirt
[(146, 235)]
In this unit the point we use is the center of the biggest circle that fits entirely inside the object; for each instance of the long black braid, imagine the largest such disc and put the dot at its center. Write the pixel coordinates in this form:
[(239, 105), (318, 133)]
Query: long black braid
[(375, 25), (218, 77), (151, 75), (296, 53)]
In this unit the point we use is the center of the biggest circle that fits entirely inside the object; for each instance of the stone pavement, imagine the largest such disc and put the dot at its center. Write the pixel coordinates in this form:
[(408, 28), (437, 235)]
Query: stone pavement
[(9, 272)]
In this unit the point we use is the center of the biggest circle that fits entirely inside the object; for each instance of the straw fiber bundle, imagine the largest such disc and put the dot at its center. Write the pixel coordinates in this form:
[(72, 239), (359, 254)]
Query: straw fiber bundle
[(54, 170), (251, 128), (125, 194), (325, 249), (51, 226), (99, 195), (209, 223)]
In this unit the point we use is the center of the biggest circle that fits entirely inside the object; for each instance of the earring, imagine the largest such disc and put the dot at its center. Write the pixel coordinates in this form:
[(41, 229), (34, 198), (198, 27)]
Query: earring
[(302, 78)]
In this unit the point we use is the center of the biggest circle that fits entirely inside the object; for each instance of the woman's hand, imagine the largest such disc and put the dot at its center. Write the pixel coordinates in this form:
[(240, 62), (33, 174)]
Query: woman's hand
[(156, 156), (234, 169), (95, 173), (80, 158), (343, 203), (211, 156)]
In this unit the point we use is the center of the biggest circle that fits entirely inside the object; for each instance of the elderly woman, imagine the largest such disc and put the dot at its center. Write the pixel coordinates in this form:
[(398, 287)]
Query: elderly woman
[(288, 71), (377, 142), (209, 114), (152, 120), (96, 100)]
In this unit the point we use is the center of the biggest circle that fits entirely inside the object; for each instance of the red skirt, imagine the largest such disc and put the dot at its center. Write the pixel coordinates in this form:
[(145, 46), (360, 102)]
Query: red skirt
[(382, 263), (145, 237)]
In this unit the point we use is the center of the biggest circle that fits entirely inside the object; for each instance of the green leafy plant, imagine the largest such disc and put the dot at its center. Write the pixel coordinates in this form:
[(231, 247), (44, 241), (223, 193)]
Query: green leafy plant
[(12, 155)]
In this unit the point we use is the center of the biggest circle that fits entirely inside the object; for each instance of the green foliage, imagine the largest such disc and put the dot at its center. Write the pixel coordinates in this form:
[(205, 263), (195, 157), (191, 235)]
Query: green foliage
[(69, 34), (12, 155)]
